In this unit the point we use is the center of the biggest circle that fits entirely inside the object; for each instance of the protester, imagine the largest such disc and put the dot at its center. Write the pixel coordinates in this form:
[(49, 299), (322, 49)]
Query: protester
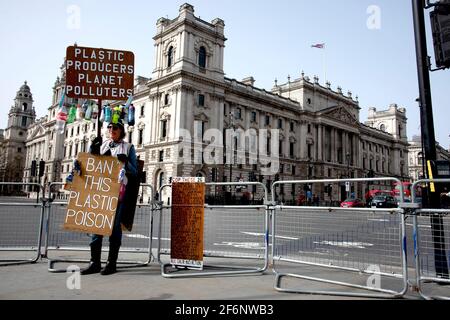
[(125, 152)]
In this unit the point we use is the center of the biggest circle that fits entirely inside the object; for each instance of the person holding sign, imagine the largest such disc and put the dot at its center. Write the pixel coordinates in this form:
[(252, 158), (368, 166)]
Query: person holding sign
[(126, 153)]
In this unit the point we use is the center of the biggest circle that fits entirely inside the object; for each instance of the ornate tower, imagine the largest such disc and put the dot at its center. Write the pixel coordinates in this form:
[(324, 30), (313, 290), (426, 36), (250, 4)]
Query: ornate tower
[(21, 115)]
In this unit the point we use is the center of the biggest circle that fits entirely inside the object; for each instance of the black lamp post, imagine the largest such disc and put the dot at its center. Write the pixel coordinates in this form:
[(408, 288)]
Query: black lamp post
[(347, 156)]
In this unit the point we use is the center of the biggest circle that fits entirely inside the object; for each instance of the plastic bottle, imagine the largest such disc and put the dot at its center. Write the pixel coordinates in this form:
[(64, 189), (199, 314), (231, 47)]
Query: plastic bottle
[(123, 183), (88, 113), (61, 118), (80, 114), (124, 114), (102, 114), (107, 113), (131, 115), (116, 115), (94, 113), (72, 114)]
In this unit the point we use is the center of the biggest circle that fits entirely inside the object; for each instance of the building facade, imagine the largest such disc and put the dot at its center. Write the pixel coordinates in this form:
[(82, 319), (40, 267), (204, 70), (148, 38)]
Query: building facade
[(416, 157), (189, 111)]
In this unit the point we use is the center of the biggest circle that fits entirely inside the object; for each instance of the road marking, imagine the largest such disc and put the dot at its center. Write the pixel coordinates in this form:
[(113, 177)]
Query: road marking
[(420, 225), (242, 245), (263, 234), (379, 220), (141, 236), (346, 244)]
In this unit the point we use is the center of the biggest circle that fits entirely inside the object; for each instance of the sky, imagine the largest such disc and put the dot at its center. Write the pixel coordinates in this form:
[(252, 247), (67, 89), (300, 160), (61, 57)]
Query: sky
[(369, 46)]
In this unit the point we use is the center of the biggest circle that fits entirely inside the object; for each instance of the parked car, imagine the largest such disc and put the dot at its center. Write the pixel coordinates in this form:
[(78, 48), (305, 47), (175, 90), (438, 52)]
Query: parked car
[(383, 201), (352, 203)]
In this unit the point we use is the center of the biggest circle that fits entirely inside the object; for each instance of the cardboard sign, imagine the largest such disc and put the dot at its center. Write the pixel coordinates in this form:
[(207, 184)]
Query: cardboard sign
[(93, 73), (188, 201), (94, 195)]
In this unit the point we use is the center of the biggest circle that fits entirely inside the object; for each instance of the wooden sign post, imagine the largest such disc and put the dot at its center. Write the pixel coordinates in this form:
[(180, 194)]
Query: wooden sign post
[(188, 203), (94, 195)]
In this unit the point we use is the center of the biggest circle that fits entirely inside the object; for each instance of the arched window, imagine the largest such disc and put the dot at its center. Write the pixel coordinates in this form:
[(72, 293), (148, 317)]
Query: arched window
[(25, 106), (383, 127), (170, 57), (161, 177), (202, 57)]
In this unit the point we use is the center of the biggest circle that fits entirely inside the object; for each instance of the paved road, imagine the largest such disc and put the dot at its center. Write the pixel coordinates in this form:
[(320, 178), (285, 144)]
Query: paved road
[(344, 238)]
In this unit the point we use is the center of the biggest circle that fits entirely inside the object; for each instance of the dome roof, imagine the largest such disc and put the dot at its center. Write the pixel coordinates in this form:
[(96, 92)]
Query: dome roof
[(24, 92), (25, 87)]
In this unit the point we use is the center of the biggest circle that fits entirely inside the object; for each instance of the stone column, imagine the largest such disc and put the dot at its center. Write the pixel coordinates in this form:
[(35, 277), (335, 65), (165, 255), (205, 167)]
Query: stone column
[(319, 143), (302, 140)]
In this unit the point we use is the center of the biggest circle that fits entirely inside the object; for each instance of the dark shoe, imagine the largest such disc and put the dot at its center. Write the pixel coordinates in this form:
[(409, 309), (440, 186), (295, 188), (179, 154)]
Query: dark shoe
[(94, 267), (110, 268)]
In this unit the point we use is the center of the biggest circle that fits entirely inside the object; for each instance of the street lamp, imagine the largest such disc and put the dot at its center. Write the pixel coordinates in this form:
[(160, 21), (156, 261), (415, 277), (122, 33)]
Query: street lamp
[(231, 146), (347, 156)]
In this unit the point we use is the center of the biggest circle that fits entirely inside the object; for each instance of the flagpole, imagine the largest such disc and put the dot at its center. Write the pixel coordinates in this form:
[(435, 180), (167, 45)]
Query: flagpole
[(324, 66)]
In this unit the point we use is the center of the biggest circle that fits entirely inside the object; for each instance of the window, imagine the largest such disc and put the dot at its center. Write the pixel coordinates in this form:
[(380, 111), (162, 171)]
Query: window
[(163, 129), (161, 156), (76, 149), (309, 128), (166, 99), (294, 169), (383, 127), (130, 136), (161, 179), (201, 100), (280, 148), (253, 117), (199, 129), (202, 57), (71, 132), (19, 150), (20, 133), (170, 57), (238, 114), (280, 123), (267, 120), (70, 151), (24, 121), (291, 126), (309, 151), (24, 105), (268, 146), (142, 110), (214, 175), (291, 149), (78, 130), (83, 146), (141, 136)]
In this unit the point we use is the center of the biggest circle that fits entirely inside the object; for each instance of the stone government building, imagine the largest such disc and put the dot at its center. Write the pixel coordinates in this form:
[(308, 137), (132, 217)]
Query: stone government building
[(321, 135)]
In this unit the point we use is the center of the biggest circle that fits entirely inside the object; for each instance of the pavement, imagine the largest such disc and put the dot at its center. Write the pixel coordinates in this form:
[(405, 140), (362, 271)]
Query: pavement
[(34, 281)]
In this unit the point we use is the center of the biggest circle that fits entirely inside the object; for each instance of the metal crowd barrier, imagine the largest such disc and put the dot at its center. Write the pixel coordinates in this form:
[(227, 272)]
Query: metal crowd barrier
[(230, 232), (21, 226), (73, 247), (330, 242), (432, 247)]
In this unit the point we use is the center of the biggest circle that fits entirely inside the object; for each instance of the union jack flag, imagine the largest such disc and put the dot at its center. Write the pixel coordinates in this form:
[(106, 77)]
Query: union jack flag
[(318, 45)]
